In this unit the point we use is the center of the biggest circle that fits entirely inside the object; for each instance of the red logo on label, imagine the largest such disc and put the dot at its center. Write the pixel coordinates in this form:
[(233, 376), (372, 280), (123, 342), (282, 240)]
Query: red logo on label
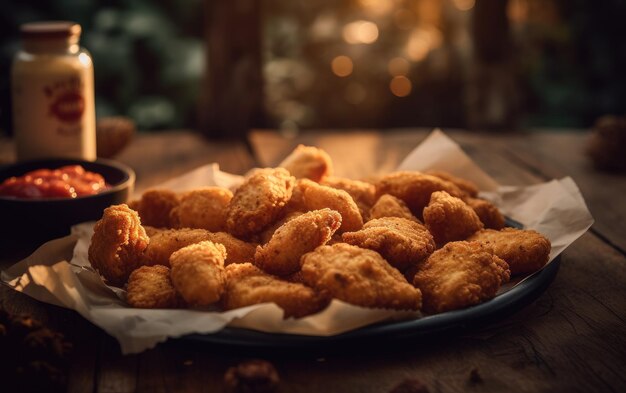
[(68, 107)]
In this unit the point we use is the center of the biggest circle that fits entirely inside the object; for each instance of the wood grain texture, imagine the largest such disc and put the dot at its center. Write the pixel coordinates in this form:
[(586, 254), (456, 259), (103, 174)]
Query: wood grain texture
[(572, 339)]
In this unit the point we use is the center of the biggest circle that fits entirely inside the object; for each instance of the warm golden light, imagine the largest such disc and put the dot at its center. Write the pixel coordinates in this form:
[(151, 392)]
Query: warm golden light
[(377, 7), (398, 66), (400, 86), (464, 5), (421, 42), (342, 66), (360, 32), (517, 10)]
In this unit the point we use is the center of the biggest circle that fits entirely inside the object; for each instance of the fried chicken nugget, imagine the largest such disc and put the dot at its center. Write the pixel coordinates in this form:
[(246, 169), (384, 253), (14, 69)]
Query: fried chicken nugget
[(309, 195), (198, 272), (449, 218), (487, 212), (117, 244), (308, 162), (390, 206), (459, 275), (163, 243), (203, 208), (358, 276), (259, 201), (363, 194), (281, 255), (415, 188), (525, 250), (155, 206), (401, 242), (465, 185), (151, 287), (265, 235), (247, 285)]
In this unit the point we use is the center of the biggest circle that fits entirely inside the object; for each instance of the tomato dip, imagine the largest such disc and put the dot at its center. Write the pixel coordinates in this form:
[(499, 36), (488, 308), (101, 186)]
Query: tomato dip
[(66, 182)]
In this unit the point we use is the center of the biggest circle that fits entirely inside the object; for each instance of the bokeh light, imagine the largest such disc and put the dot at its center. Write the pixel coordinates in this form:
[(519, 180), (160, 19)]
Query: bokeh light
[(400, 86), (464, 5), (342, 66), (377, 7), (360, 32), (421, 42)]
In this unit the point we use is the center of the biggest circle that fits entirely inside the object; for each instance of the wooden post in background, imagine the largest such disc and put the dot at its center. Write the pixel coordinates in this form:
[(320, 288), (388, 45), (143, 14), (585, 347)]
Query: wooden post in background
[(232, 97)]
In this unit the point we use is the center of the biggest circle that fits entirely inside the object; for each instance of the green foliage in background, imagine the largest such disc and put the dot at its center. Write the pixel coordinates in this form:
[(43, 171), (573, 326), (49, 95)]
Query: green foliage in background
[(148, 55)]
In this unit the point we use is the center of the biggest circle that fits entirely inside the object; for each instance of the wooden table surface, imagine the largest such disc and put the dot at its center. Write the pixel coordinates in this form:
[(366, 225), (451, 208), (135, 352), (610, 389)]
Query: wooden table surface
[(572, 339)]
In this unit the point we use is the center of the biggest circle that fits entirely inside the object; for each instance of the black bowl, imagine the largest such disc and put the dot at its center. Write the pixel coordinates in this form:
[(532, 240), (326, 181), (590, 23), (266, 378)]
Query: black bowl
[(32, 221)]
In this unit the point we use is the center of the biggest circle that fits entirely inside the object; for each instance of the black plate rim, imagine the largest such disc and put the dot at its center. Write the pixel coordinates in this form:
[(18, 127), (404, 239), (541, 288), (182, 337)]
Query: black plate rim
[(497, 308)]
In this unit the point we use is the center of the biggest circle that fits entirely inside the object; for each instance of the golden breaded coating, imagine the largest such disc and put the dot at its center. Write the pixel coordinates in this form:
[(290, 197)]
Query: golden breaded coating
[(265, 235), (165, 242), (238, 251), (415, 188), (247, 285), (281, 255), (155, 206), (363, 194), (308, 162), (309, 195), (390, 206), (525, 250), (465, 185), (198, 272), (151, 287), (403, 243), (488, 213), (358, 276), (204, 208), (117, 244), (449, 218), (151, 231), (259, 201), (459, 275)]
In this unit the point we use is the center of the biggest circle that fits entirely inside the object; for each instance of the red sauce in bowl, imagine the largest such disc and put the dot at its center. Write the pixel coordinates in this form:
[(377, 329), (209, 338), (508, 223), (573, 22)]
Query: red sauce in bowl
[(70, 181)]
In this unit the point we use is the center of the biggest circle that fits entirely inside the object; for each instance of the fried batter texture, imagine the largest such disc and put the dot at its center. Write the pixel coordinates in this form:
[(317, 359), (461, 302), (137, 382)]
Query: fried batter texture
[(358, 276), (459, 275), (259, 201), (401, 242), (526, 251), (390, 206), (487, 212), (449, 218), (465, 185), (308, 162), (117, 244), (281, 255), (198, 272), (415, 188), (203, 208), (363, 194), (309, 195), (155, 206), (151, 287), (164, 242), (247, 285)]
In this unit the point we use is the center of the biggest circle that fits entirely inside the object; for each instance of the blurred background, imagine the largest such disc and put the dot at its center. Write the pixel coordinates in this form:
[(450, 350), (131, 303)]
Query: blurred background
[(298, 64)]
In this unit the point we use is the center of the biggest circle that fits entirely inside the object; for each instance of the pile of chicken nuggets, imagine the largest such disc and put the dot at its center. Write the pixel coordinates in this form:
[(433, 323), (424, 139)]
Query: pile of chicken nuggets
[(298, 236)]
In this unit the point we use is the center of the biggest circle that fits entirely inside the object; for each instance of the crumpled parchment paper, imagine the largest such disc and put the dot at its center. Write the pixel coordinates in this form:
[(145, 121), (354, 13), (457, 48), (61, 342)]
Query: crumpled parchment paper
[(59, 272)]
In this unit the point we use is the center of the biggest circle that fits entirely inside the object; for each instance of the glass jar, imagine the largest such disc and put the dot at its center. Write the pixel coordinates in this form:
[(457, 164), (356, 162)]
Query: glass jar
[(53, 93)]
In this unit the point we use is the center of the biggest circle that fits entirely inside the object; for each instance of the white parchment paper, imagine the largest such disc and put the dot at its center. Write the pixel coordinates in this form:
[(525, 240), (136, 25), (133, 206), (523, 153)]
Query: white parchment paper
[(59, 272)]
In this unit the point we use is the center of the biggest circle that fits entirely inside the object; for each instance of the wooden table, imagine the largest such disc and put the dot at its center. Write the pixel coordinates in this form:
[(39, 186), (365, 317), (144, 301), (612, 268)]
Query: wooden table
[(573, 338)]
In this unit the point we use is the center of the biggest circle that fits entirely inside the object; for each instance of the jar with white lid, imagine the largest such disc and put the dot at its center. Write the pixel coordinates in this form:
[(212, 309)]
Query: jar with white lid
[(52, 86)]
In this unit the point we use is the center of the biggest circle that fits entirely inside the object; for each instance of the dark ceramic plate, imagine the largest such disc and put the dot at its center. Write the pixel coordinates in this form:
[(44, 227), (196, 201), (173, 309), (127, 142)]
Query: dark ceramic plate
[(33, 221), (453, 321)]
